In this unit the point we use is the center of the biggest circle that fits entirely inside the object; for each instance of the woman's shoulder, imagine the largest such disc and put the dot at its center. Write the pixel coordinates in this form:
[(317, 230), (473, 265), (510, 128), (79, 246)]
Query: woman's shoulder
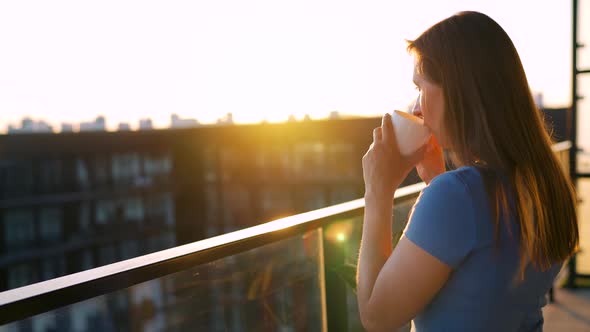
[(460, 186), (444, 213), (468, 176), (464, 184)]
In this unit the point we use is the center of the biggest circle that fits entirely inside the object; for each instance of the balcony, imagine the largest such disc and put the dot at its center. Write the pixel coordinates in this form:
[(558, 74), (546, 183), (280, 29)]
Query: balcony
[(291, 274)]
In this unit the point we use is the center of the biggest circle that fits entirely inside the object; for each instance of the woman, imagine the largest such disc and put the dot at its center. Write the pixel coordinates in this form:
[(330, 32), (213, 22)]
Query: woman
[(485, 241)]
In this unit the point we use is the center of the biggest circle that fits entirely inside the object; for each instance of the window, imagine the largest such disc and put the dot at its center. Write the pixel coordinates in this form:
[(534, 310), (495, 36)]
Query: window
[(80, 260), (86, 260), (209, 163), (84, 222), (107, 255), (53, 267), (311, 198), (101, 170), (16, 178), (168, 240), (50, 224), (19, 228), (160, 208), (213, 211), (82, 174), (154, 243), (45, 322), (129, 249), (273, 163), (339, 163), (50, 175), (157, 165), (309, 160), (21, 275), (344, 193), (235, 164), (237, 208), (133, 209), (167, 206), (275, 202), (125, 168), (104, 212)]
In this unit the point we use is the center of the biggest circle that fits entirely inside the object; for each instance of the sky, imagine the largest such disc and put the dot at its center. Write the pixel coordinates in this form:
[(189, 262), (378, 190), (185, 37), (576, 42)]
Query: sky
[(69, 61)]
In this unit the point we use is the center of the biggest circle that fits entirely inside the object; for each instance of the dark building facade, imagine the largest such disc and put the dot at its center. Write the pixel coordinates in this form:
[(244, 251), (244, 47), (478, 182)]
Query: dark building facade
[(74, 201)]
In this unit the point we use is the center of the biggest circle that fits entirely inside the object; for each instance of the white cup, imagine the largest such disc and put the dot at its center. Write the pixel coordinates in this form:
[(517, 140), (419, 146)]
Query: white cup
[(410, 132)]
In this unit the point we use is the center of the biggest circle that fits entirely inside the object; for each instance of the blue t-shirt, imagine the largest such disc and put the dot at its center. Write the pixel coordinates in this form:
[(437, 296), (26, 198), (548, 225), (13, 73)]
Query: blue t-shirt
[(452, 220)]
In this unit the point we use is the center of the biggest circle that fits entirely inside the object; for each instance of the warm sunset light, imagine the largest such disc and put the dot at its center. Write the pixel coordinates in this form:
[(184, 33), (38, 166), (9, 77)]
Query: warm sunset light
[(226, 165), (339, 231), (260, 60)]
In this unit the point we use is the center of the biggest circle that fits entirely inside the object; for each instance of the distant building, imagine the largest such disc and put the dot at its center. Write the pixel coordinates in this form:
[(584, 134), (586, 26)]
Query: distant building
[(228, 119), (538, 97), (178, 122), (109, 200), (97, 125), (42, 127), (334, 115), (29, 126), (123, 126), (67, 128), (146, 124)]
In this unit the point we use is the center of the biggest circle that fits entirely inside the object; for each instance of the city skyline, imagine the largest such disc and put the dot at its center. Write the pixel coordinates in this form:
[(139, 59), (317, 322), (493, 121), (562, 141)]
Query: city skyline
[(260, 61), (100, 123), (29, 125)]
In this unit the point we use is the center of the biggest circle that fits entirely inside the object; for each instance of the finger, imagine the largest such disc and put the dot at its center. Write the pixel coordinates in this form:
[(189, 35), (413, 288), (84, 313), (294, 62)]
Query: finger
[(377, 134), (387, 126)]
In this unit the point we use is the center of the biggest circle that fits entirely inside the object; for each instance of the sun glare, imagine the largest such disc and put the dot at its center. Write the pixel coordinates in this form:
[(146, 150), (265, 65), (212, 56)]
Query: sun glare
[(268, 62)]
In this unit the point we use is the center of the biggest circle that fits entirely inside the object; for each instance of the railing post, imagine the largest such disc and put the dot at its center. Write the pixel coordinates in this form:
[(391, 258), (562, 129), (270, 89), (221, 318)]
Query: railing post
[(572, 268), (336, 302), (574, 93)]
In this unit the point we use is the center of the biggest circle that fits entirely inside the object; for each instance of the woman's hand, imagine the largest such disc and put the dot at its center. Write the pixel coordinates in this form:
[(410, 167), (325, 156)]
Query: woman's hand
[(384, 168), (433, 162)]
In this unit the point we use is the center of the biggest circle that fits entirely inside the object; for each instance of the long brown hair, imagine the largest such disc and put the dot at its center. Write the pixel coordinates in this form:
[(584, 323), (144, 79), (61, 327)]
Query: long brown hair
[(491, 122)]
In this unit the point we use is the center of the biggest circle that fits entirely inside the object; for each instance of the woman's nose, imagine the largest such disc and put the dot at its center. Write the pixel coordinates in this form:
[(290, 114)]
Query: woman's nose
[(416, 110)]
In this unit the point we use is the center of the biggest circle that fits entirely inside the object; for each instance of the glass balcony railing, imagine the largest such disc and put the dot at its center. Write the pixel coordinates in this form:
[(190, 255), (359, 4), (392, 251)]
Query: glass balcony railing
[(291, 274)]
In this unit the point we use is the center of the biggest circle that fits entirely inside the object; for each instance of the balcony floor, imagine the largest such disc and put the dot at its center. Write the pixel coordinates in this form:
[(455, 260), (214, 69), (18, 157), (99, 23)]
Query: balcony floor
[(570, 312)]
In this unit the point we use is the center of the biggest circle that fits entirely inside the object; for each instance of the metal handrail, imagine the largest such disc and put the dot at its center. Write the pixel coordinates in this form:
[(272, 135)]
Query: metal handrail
[(561, 146), (27, 301)]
